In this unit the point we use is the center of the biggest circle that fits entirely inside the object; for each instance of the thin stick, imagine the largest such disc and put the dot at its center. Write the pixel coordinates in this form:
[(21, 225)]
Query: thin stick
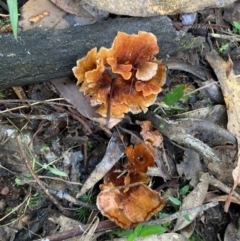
[(55, 178), (30, 104), (50, 196), (181, 213), (232, 38), (16, 208)]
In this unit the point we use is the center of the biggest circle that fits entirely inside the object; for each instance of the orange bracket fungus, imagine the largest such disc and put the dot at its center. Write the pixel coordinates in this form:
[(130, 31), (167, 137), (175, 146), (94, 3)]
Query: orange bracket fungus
[(124, 78), (125, 198)]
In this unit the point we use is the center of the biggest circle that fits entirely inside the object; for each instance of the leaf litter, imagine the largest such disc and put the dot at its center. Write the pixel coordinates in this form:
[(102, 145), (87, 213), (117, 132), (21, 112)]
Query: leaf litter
[(178, 138)]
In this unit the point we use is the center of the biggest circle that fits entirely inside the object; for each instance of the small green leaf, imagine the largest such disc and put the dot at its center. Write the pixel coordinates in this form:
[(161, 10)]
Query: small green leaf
[(57, 172), (18, 181), (44, 148), (223, 48), (138, 229), (184, 190), (174, 95), (150, 230), (174, 200), (236, 25), (187, 218), (13, 11), (124, 233), (132, 237), (29, 175)]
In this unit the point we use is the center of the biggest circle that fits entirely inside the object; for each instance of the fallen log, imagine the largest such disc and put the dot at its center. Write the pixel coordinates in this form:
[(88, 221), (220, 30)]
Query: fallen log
[(41, 55)]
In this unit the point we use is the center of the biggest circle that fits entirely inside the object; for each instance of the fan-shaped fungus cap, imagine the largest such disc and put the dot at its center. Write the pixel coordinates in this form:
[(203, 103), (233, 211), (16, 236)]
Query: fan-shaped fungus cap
[(140, 157), (128, 209), (124, 78), (128, 206)]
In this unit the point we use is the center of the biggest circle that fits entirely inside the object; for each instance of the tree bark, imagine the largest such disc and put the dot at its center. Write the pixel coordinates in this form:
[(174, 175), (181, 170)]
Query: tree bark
[(41, 55)]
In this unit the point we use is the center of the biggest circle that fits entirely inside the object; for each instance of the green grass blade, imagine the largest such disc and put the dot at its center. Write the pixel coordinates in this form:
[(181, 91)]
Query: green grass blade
[(13, 11)]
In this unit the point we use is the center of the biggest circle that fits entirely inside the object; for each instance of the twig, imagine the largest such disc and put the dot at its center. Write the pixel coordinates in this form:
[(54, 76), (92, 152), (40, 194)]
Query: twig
[(181, 213), (50, 196), (50, 117), (216, 183), (52, 178), (103, 226), (125, 186), (232, 38), (4, 15), (77, 117), (16, 208), (63, 195), (30, 104)]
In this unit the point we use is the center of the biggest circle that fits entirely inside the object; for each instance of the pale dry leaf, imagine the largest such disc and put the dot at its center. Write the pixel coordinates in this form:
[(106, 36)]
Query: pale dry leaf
[(230, 85), (44, 14), (80, 9), (73, 7), (89, 234), (115, 150), (190, 166), (193, 199), (189, 230), (145, 8), (71, 93)]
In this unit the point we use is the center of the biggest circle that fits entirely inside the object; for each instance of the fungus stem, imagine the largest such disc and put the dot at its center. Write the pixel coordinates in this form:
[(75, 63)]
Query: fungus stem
[(109, 101)]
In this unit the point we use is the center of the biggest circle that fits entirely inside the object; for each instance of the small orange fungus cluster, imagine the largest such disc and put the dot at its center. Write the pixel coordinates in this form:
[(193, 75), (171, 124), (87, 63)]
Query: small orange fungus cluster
[(149, 134), (125, 78), (125, 198)]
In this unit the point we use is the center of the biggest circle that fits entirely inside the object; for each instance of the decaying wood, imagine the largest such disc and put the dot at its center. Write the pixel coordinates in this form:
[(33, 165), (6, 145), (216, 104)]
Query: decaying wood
[(155, 7), (40, 55)]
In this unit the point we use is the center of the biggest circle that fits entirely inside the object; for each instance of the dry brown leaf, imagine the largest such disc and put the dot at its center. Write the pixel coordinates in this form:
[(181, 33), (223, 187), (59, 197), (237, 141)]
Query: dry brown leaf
[(230, 85), (145, 8), (45, 14)]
